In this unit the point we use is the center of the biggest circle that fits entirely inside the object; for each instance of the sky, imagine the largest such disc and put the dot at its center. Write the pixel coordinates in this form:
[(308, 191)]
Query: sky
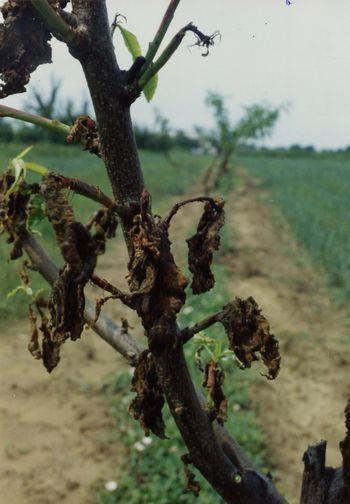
[(269, 53)]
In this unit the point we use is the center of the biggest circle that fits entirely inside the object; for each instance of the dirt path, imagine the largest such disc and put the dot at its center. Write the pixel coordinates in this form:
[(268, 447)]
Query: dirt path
[(56, 433), (306, 403)]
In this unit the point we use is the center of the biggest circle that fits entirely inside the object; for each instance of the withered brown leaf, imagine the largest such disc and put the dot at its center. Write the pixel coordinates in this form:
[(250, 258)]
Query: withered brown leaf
[(24, 45), (213, 379), (13, 212), (149, 401), (248, 332), (84, 130), (203, 243), (50, 349), (34, 345), (192, 484)]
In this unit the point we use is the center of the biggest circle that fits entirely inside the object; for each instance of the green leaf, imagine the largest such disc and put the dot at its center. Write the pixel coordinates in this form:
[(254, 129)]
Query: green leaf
[(37, 168), (20, 288), (37, 213), (24, 152), (18, 165), (150, 88), (131, 42), (134, 48)]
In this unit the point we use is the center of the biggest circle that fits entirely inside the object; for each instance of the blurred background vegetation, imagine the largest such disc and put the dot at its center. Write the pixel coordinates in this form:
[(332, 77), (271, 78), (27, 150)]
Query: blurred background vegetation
[(307, 186)]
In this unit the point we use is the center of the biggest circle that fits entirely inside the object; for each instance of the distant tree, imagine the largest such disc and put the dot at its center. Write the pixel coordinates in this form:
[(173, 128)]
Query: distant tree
[(223, 140), (165, 140), (51, 105)]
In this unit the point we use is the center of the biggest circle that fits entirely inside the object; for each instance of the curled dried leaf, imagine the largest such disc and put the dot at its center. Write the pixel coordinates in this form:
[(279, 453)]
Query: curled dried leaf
[(34, 345), (248, 332), (192, 484), (149, 401), (13, 211), (50, 348), (24, 45), (74, 240), (106, 224), (203, 244), (153, 275), (84, 131), (213, 379), (66, 306)]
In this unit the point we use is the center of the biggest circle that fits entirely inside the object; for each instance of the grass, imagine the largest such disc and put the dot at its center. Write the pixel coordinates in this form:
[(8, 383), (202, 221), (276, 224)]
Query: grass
[(314, 197), (161, 179), (156, 475)]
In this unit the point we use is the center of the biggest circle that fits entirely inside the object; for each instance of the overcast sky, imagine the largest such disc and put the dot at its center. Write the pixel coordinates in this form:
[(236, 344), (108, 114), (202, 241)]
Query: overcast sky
[(269, 52)]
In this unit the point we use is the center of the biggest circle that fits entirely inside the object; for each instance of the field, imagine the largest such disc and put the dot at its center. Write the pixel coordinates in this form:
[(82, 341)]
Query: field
[(313, 195), (139, 477), (274, 204)]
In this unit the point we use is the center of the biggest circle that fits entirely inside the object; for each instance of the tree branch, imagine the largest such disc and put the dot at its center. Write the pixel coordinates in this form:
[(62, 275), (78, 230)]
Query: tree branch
[(188, 332), (87, 190), (54, 20), (50, 124), (177, 206), (110, 332)]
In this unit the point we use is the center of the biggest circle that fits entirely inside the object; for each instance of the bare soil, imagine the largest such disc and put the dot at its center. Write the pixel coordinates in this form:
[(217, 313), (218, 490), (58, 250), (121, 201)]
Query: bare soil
[(305, 403), (56, 433), (57, 438)]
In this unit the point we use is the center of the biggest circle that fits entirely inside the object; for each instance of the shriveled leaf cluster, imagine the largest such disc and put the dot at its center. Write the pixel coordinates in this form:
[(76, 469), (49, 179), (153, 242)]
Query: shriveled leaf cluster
[(84, 131), (13, 211), (192, 484), (48, 350), (201, 246), (248, 332), (213, 380), (24, 45), (154, 276), (80, 245), (149, 401)]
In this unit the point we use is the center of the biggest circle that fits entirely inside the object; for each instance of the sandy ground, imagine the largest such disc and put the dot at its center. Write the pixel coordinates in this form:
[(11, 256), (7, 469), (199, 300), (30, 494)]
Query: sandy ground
[(306, 402), (56, 431)]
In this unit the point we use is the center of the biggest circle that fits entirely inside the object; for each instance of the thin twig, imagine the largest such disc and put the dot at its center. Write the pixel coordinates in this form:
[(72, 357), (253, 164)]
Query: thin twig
[(188, 332), (50, 124), (177, 206), (117, 293), (87, 190), (154, 68)]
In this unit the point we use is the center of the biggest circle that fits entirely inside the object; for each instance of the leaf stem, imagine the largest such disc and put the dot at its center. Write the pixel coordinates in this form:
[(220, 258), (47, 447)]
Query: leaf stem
[(53, 19), (154, 68), (51, 124), (159, 36)]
